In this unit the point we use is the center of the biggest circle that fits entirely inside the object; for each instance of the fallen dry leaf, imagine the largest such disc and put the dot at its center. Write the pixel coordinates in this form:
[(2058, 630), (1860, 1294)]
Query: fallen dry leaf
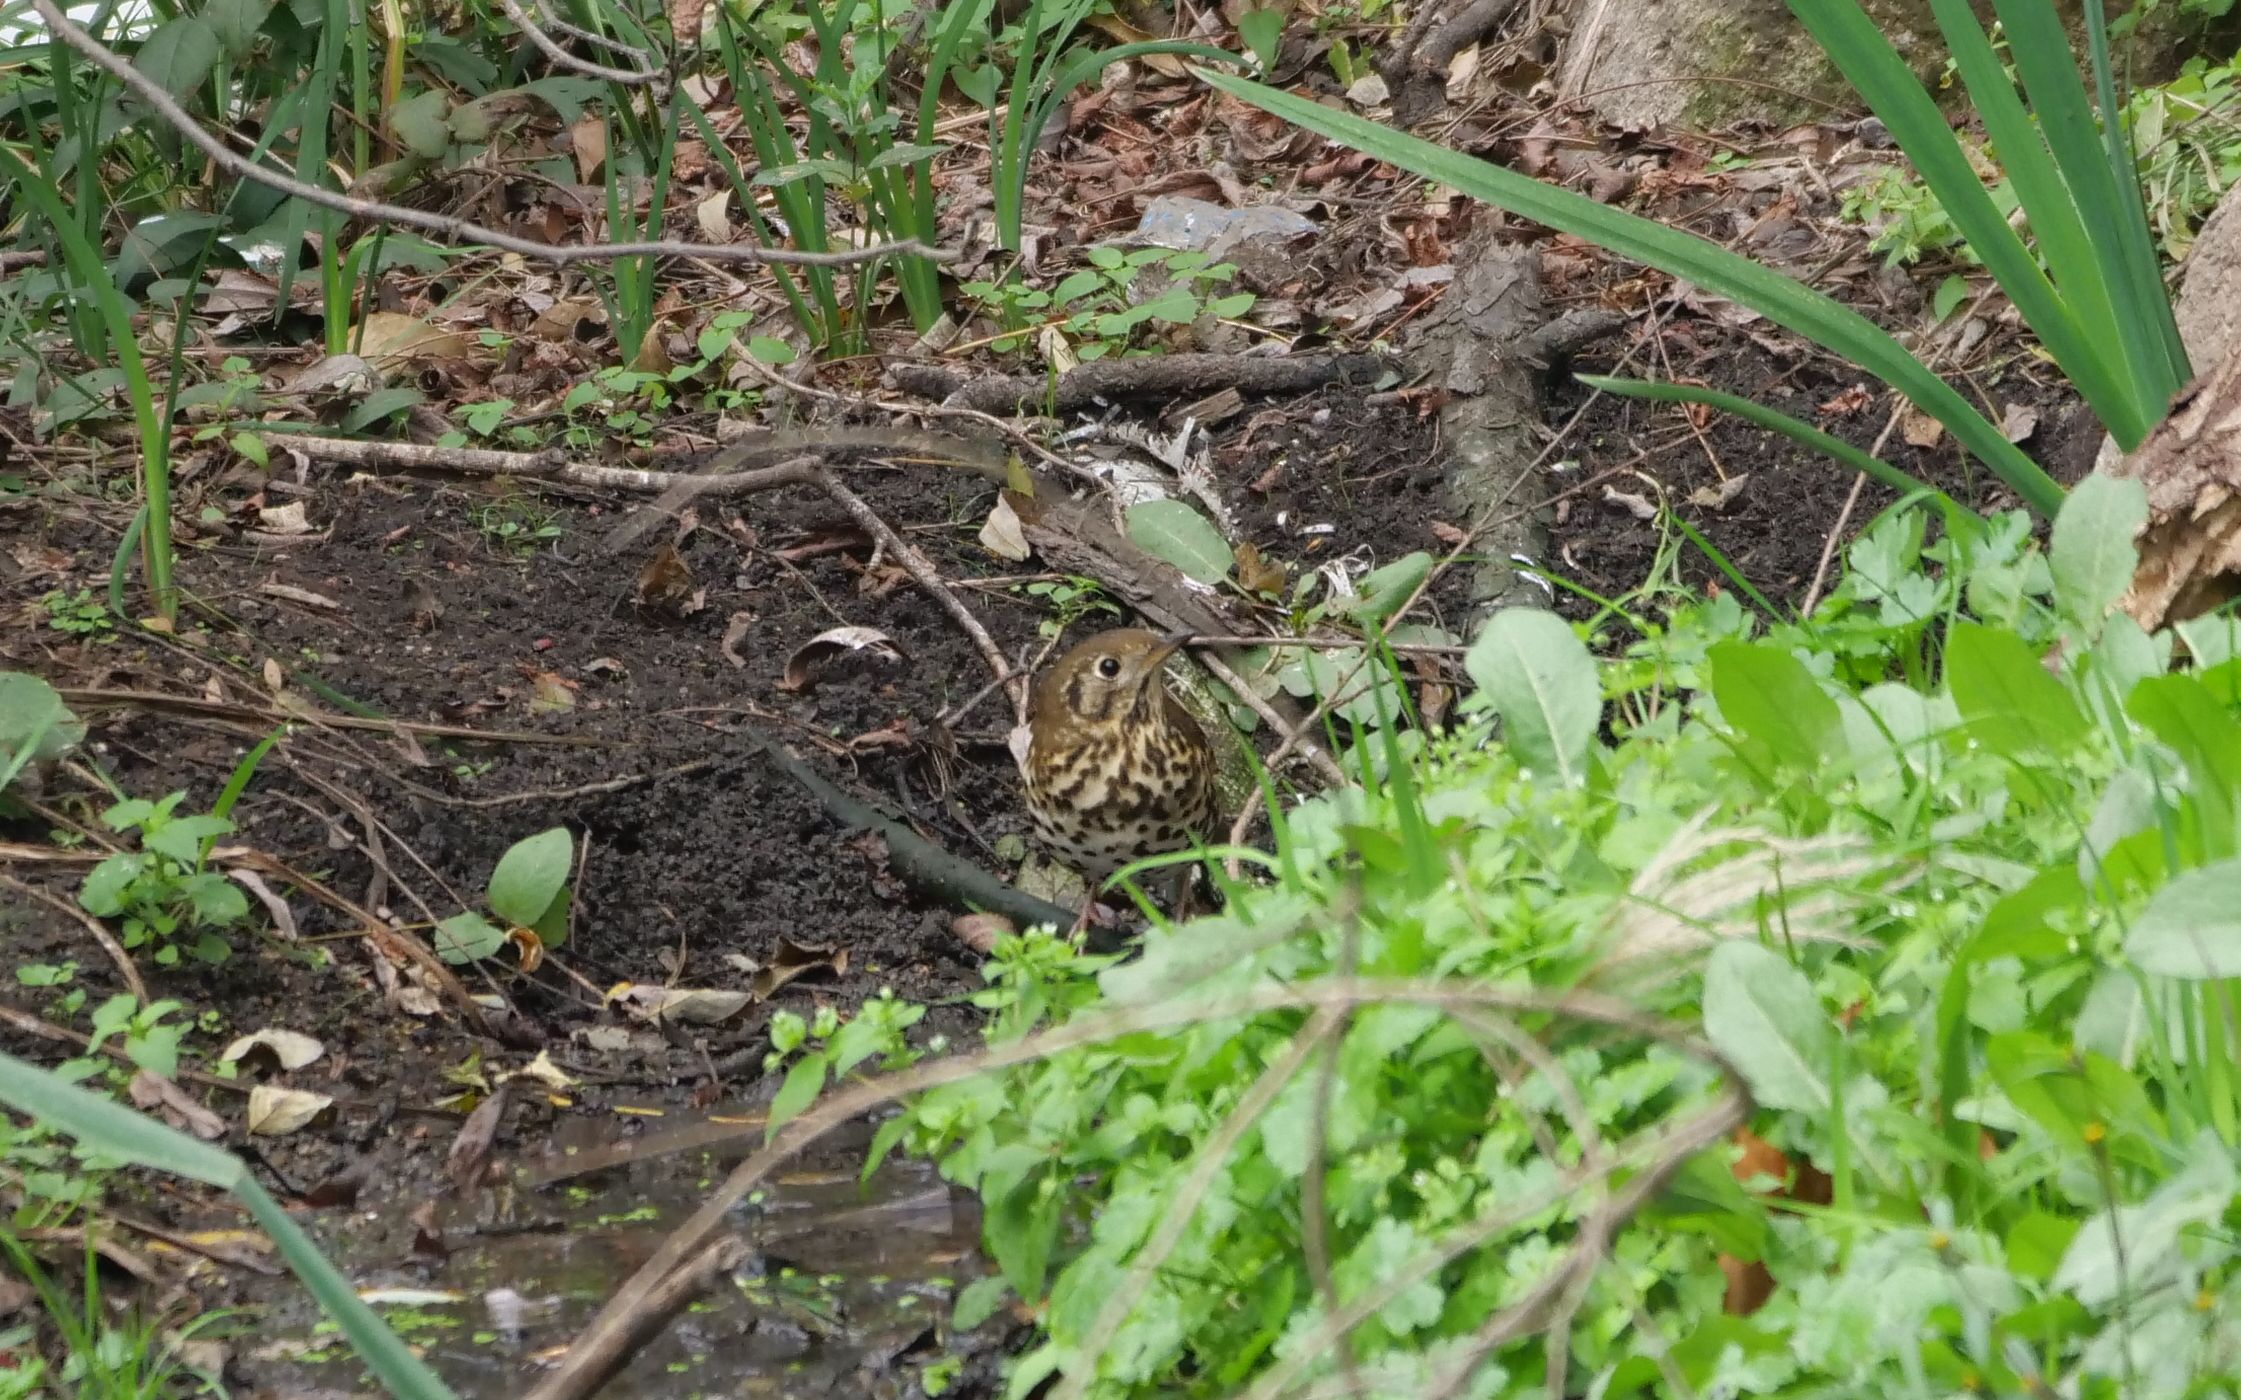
[(287, 1049), (289, 519), (796, 960), (391, 337), (588, 138), (1002, 534), (152, 1092), (697, 1006), (665, 583), (276, 1112), (814, 655), (979, 932), (1919, 429), (735, 632), (1719, 497), (1256, 574)]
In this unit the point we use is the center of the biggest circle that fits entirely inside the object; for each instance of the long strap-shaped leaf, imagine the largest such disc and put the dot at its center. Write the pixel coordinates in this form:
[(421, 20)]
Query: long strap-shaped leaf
[(1859, 49), (1780, 299)]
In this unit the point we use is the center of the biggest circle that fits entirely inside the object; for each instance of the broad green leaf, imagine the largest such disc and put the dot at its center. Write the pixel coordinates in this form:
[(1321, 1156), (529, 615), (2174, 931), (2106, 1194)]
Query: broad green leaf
[(1382, 591), (236, 23), (422, 123), (1768, 694), (2192, 927), (1540, 679), (35, 726), (531, 875), (2009, 701), (468, 937), (2091, 554), (179, 55), (1170, 530), (2126, 1247), (1761, 1013), (802, 1085)]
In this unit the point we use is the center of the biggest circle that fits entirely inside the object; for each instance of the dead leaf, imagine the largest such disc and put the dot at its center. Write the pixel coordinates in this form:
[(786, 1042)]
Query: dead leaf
[(1635, 505), (289, 519), (1001, 535), (1848, 403), (565, 320), (1919, 429), (735, 632), (393, 338), (469, 1157), (979, 932), (2019, 422), (665, 584), (543, 1071), (818, 652), (152, 1092), (697, 1006), (528, 947), (1256, 574), (796, 960), (277, 1112), (588, 138), (550, 693), (1719, 497), (714, 216), (286, 1049), (653, 352)]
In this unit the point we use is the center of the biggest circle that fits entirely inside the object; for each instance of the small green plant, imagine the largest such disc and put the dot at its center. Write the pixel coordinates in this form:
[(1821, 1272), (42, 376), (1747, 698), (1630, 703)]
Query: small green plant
[(105, 1356), (828, 1046), (1072, 601), (528, 891), (151, 1039), (81, 614), (1094, 307), (162, 892), (516, 525)]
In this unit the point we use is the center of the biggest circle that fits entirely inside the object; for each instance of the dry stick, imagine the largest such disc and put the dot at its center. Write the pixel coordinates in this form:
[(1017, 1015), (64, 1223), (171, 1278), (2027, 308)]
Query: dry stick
[(571, 1381), (645, 72), (550, 465), (456, 230), (1212, 1156), (225, 709), (663, 1302), (1164, 375), (93, 926), (922, 571)]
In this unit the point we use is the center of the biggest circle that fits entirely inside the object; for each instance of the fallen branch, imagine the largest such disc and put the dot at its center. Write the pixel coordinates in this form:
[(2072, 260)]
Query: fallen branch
[(94, 927), (920, 863), (644, 72), (1153, 377), (443, 225)]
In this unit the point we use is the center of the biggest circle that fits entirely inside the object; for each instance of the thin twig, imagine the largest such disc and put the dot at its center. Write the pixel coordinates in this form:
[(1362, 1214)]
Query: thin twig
[(93, 926), (927, 577), (455, 229), (644, 73)]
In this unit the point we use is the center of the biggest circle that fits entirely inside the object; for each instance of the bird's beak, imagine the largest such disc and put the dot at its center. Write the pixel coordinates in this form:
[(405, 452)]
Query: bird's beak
[(1168, 646)]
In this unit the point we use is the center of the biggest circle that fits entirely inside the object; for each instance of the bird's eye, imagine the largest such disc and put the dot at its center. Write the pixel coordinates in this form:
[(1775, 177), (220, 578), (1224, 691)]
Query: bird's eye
[(1108, 668)]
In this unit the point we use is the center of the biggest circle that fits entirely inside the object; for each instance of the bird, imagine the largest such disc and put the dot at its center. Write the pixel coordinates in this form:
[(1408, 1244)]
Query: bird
[(1116, 768)]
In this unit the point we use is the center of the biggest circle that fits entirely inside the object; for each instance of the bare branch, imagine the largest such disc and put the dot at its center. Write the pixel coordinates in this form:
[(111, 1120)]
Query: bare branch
[(645, 72)]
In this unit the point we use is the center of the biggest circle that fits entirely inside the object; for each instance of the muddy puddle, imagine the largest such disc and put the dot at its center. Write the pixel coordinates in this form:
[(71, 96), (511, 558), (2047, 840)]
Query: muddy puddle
[(846, 1291)]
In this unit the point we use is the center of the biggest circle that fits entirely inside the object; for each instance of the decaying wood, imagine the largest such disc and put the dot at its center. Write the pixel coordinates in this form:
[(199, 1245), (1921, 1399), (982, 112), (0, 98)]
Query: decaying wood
[(1161, 376), (2190, 547)]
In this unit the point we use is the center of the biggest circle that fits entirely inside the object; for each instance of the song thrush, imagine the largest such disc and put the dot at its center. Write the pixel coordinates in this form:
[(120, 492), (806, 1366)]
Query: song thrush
[(1116, 768)]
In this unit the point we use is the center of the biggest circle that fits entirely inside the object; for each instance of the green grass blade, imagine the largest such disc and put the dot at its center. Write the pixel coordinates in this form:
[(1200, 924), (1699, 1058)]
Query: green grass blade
[(1794, 429), (1781, 299), (2056, 223), (134, 1137), (2140, 260), (2102, 178), (93, 278), (1865, 56)]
